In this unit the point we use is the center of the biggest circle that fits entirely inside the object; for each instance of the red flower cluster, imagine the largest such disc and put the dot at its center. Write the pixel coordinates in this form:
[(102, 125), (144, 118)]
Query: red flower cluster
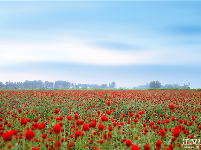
[(109, 115)]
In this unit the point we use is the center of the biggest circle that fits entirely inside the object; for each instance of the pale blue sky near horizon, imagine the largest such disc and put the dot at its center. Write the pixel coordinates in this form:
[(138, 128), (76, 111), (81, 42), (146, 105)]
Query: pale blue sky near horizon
[(95, 42)]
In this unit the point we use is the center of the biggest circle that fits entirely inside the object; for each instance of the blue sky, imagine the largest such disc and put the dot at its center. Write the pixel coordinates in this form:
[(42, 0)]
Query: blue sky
[(131, 43)]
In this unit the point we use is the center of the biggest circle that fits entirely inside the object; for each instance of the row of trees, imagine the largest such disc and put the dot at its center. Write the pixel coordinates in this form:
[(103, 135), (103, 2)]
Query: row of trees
[(157, 84), (38, 84)]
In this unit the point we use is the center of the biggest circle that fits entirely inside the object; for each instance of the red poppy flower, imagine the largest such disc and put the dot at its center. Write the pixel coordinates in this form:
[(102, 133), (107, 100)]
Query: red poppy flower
[(93, 124), (128, 143), (135, 120), (41, 126), (96, 148), (23, 121), (110, 128), (44, 136), (158, 144), (171, 106), (20, 110), (57, 144), (86, 127), (36, 120), (162, 133), (9, 145), (61, 124), (104, 135), (77, 134), (61, 118), (36, 148), (69, 118), (56, 111), (101, 126), (7, 136), (103, 118), (57, 129), (76, 117), (146, 147), (70, 145), (135, 147), (176, 132), (109, 103), (29, 135)]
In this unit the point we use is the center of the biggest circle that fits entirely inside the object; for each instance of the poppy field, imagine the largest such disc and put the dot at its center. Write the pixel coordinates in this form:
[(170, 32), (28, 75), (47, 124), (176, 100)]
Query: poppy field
[(100, 119)]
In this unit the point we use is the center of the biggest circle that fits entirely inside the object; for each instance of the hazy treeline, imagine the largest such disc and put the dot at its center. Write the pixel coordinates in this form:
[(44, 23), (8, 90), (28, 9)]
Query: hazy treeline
[(176, 86), (38, 84), (157, 85)]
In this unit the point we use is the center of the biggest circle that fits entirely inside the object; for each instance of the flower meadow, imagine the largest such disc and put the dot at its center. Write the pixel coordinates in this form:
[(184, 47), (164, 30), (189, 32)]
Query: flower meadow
[(100, 119)]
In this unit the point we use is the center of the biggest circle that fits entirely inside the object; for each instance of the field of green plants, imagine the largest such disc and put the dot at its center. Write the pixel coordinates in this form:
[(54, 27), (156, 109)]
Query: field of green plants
[(100, 119)]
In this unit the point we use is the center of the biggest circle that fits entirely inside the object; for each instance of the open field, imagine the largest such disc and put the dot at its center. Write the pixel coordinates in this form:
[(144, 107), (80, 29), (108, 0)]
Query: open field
[(100, 119)]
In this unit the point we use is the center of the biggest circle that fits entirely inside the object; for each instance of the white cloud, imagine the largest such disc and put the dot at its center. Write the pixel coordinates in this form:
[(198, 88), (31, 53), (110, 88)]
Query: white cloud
[(76, 50)]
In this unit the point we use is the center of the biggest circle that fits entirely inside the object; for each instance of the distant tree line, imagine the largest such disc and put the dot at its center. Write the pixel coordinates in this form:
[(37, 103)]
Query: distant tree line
[(38, 84), (157, 84)]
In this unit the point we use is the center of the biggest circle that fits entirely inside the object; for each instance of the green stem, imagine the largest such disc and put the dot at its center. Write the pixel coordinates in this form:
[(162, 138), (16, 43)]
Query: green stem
[(30, 144), (6, 146), (23, 139)]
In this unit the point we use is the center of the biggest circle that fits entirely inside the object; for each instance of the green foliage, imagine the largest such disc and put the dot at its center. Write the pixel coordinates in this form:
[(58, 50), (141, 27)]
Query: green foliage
[(152, 89)]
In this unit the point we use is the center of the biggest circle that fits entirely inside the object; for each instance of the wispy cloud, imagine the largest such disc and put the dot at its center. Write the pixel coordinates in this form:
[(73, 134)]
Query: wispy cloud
[(118, 45), (69, 50), (76, 50)]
